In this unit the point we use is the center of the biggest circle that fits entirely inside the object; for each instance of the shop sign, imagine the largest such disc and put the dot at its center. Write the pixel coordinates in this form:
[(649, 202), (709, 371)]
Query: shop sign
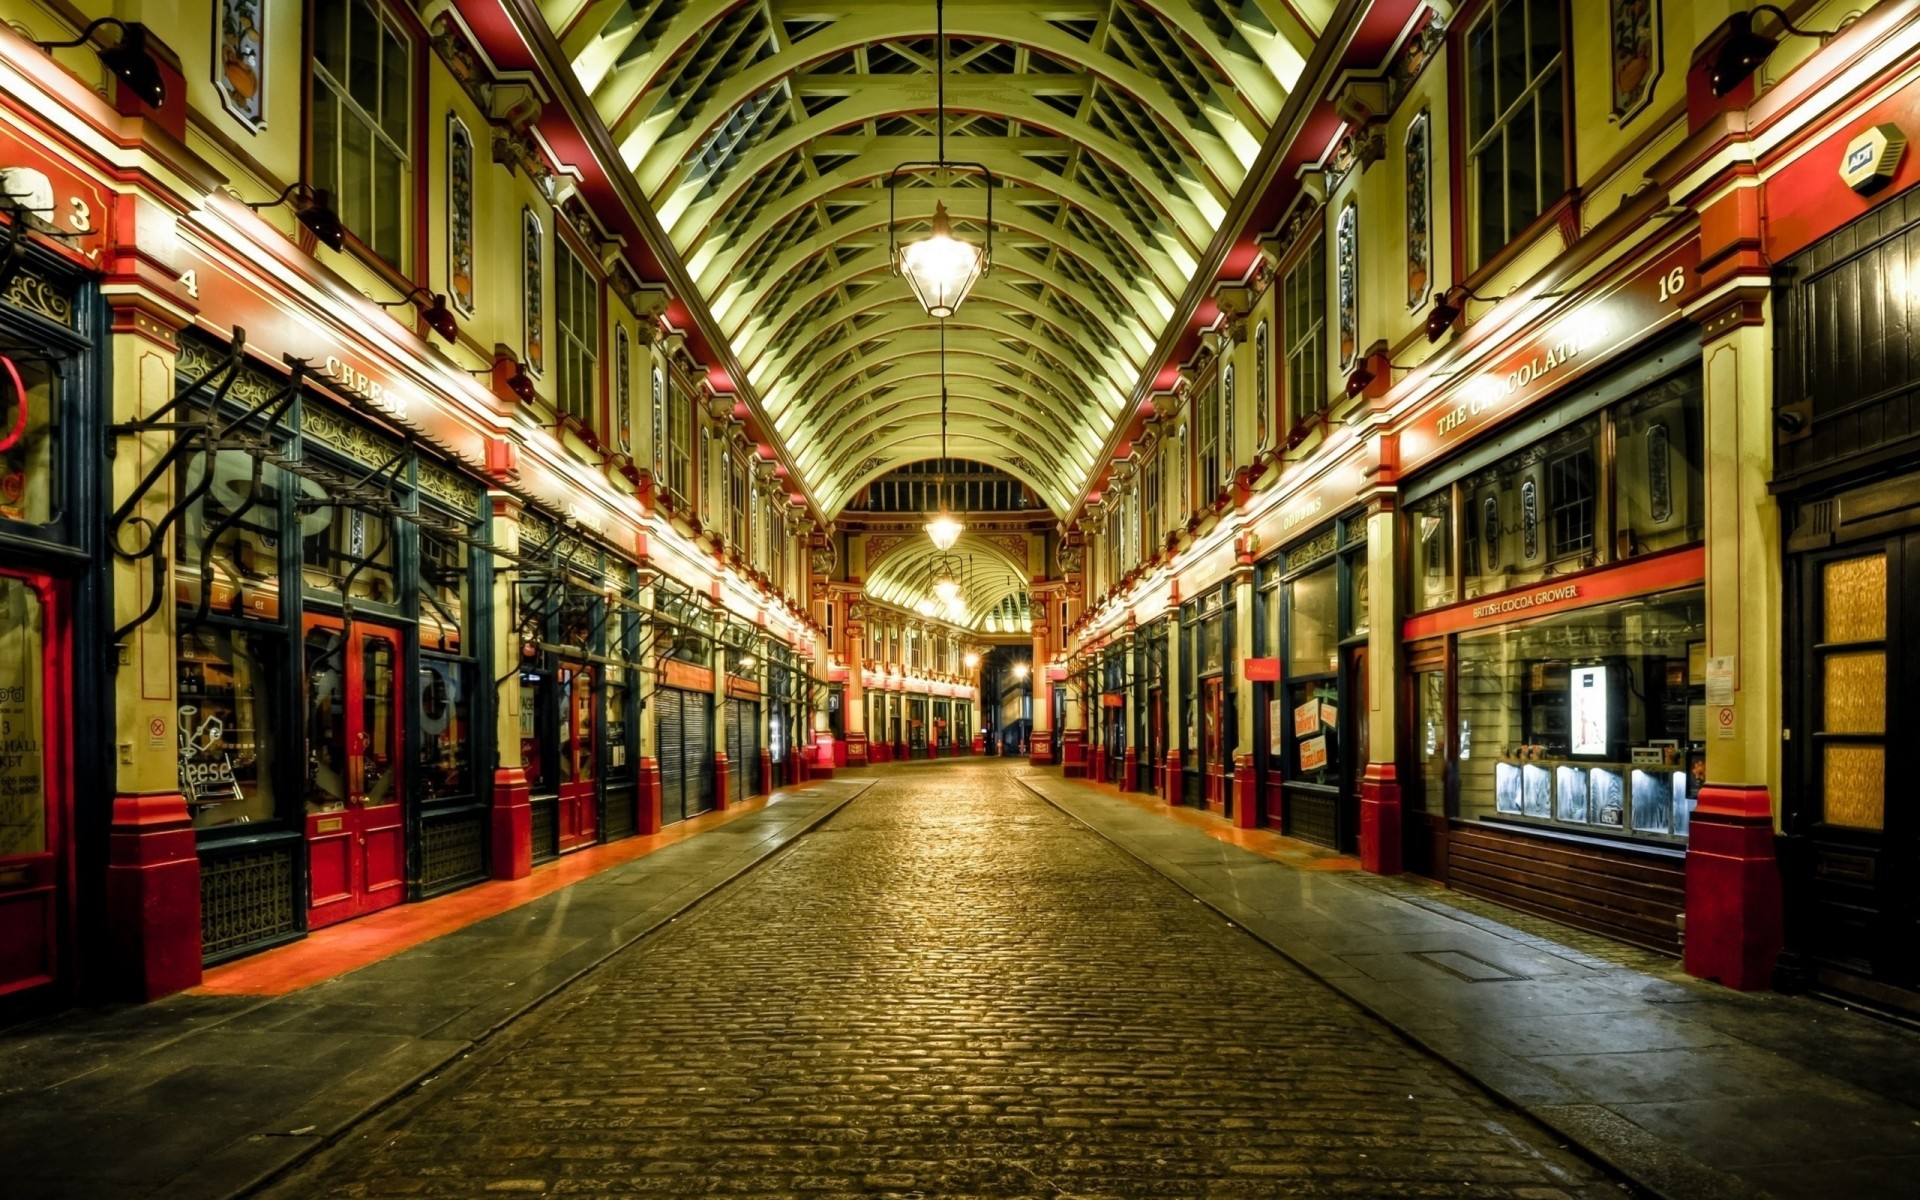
[(1261, 670), (206, 770), (351, 379), (1584, 336), (1654, 573), (1338, 487), (678, 674), (52, 192), (1113, 700)]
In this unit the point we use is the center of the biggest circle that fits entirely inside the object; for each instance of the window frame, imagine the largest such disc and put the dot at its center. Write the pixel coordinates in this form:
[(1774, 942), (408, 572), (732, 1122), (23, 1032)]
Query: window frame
[(1310, 255), (412, 216), (593, 414), (1480, 265)]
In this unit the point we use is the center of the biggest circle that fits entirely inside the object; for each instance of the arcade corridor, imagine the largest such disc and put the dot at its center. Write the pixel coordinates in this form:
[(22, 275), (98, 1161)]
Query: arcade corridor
[(950, 989)]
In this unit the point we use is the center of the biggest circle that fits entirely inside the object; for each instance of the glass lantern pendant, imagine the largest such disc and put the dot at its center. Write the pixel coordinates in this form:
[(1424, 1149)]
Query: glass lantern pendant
[(945, 529), (941, 268)]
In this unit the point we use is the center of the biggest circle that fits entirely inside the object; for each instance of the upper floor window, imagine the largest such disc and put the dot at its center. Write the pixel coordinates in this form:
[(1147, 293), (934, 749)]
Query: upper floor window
[(737, 477), (362, 121), (679, 443), (1516, 120), (1206, 443), (576, 318), (1304, 298)]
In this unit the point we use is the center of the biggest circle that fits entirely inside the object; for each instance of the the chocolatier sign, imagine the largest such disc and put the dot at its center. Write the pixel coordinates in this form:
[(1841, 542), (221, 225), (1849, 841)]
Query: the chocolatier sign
[(1558, 351)]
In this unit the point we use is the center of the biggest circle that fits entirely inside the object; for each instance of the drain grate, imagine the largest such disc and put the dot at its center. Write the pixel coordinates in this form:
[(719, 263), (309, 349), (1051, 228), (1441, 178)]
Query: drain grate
[(1466, 966)]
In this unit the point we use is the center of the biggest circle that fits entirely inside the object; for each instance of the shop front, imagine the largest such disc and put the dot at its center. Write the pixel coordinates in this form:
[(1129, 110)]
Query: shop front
[(326, 656), (1556, 683), (1210, 716), (1115, 682), (1847, 471), (784, 716), (50, 718), (682, 702)]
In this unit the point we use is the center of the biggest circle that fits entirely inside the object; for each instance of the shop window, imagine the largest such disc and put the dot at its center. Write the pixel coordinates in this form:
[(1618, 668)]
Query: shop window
[(576, 318), (348, 551), (576, 690), (1432, 532), (1658, 456), (1516, 120), (443, 591), (1593, 720), (1852, 680), (619, 760), (736, 502), (1570, 501), (1304, 298), (1312, 635), (326, 697), (1533, 513), (227, 684), (29, 442), (23, 767), (240, 509), (1430, 741), (361, 122), (446, 728)]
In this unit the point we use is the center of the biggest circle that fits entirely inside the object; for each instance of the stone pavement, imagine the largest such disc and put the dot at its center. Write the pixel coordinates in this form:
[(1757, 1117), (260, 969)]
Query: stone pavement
[(1686, 1088), (199, 1097), (950, 989)]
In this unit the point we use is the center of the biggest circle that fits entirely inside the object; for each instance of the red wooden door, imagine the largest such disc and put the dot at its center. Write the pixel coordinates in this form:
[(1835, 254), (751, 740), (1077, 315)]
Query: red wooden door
[(356, 830), (579, 747), (35, 787)]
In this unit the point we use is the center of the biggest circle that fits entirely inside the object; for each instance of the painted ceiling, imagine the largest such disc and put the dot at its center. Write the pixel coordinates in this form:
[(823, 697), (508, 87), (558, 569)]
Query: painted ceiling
[(761, 132)]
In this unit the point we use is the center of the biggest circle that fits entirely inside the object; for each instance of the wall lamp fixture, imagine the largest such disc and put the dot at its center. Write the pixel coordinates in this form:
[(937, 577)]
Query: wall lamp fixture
[(315, 211), (129, 59), (438, 316), (1744, 50)]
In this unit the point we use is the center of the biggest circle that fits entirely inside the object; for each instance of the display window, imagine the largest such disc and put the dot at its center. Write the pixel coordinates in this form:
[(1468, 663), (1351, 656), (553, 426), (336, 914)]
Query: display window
[(229, 542), (23, 711), (348, 552), (228, 681), (446, 728), (30, 475), (1594, 719)]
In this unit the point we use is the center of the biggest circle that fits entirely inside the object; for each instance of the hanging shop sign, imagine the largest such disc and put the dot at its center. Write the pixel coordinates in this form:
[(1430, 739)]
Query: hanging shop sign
[(1260, 670), (1563, 349), (1654, 573)]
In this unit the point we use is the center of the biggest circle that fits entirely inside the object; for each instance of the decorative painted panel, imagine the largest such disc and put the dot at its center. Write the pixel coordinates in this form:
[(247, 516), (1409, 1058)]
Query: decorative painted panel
[(1226, 422), (1347, 268), (533, 348), (1419, 210), (1262, 383), (623, 389), (659, 423), (239, 61), (1635, 44), (459, 215)]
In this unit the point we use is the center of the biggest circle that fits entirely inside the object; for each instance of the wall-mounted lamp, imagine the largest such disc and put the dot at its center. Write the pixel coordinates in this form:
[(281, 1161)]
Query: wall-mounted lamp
[(518, 382), (315, 212), (1364, 372), (131, 62), (1743, 51), (438, 316), (1447, 307)]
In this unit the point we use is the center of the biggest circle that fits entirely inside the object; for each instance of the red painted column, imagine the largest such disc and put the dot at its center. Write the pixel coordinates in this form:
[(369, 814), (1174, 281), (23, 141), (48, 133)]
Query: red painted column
[(822, 765), (511, 824), (648, 820), (1733, 889), (153, 896), (1381, 820), (857, 750), (1130, 770), (1246, 793), (721, 771), (1042, 748), (1170, 778)]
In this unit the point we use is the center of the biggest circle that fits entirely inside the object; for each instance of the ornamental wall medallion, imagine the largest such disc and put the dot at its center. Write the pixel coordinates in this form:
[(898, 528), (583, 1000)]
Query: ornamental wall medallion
[(659, 422), (1634, 40), (623, 387), (1419, 210), (239, 65), (1262, 383), (459, 215)]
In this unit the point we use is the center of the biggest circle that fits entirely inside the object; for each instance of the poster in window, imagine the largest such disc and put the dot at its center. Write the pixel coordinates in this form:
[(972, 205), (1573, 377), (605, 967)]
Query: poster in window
[(239, 66), (1587, 698), (1276, 728), (1636, 55), (1306, 719), (459, 215), (1419, 211), (533, 284), (1313, 754), (1347, 254)]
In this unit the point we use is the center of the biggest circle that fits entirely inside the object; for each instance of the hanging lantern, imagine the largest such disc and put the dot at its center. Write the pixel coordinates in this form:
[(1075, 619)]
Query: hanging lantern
[(940, 268)]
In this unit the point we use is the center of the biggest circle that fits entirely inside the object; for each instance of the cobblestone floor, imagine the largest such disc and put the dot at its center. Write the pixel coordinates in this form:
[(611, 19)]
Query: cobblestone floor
[(950, 990)]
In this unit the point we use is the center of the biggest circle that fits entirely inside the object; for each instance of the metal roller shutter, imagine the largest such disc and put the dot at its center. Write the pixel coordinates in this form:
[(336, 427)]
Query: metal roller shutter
[(750, 743), (736, 751), (667, 737), (697, 752)]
